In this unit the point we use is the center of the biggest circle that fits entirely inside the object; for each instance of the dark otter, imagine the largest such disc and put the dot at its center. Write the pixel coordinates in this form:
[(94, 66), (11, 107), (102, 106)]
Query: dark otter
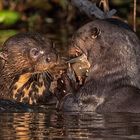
[(24, 61), (113, 81)]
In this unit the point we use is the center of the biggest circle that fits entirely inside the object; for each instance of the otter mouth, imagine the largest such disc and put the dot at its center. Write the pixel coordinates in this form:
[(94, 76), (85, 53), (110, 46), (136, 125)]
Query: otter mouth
[(45, 66), (78, 68)]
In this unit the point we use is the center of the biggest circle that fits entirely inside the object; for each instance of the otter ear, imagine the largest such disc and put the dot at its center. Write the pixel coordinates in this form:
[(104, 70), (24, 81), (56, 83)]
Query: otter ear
[(95, 32), (3, 55)]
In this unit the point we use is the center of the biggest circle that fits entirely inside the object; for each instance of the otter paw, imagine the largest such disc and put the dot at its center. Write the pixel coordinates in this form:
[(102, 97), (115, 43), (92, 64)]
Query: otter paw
[(68, 104), (64, 87)]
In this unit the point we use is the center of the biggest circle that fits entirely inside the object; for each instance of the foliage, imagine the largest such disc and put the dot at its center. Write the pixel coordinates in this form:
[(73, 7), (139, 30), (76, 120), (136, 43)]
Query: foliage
[(54, 16), (8, 17)]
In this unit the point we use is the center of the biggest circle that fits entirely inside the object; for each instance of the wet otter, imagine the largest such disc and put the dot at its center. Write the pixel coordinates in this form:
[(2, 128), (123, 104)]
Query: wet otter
[(24, 61), (113, 82)]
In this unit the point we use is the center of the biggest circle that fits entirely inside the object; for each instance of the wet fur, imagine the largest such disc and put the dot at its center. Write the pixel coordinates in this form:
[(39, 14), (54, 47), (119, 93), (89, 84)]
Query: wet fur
[(113, 83), (21, 78)]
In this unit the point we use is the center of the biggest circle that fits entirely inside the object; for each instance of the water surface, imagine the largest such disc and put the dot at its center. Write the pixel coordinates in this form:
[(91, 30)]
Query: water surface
[(55, 125)]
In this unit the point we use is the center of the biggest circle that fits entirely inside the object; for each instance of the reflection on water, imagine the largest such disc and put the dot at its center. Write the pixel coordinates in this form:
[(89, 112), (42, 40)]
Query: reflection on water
[(55, 125)]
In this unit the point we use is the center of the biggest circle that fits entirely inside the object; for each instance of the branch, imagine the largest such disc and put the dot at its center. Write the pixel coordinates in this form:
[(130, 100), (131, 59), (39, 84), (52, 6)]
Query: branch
[(91, 9), (134, 15)]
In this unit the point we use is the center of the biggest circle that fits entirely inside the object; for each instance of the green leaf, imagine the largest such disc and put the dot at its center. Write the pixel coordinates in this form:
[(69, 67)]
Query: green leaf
[(9, 17)]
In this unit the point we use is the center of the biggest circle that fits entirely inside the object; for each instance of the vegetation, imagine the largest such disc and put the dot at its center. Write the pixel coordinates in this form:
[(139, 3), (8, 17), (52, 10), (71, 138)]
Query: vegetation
[(56, 17)]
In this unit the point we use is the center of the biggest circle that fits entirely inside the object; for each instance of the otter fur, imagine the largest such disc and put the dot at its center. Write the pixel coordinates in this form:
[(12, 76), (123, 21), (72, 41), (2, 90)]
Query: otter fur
[(25, 59), (113, 81)]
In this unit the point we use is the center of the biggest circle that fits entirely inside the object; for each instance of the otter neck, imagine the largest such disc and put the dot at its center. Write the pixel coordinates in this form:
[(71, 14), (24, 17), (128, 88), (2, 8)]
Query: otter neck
[(10, 78)]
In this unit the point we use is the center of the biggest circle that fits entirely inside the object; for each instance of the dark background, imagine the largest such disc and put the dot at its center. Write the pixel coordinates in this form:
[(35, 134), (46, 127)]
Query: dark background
[(58, 18)]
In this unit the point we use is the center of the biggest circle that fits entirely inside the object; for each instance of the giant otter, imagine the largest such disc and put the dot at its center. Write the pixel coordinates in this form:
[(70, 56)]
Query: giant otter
[(113, 81), (24, 61)]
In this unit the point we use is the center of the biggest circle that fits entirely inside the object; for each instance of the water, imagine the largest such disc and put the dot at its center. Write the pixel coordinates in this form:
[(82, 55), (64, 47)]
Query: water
[(55, 125)]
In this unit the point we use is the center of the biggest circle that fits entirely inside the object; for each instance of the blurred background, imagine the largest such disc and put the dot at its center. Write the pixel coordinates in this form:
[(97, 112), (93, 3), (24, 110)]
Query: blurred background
[(58, 18)]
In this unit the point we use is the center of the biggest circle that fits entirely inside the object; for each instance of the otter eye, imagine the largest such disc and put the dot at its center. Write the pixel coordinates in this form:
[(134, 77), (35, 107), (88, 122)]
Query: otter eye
[(34, 52), (48, 59)]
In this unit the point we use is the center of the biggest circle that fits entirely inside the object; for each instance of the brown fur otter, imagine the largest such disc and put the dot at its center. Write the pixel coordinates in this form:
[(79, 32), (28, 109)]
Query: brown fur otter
[(113, 82), (24, 61)]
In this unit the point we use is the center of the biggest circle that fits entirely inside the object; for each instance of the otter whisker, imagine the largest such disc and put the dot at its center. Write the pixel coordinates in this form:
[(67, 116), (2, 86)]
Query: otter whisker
[(49, 74)]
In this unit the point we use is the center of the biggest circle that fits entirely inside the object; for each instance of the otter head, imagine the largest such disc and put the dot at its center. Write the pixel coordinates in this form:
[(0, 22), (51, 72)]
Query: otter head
[(28, 53), (80, 48), (110, 49), (82, 41), (24, 60)]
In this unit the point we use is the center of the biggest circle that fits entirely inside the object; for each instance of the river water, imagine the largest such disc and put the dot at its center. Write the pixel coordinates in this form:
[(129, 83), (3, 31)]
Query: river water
[(54, 125)]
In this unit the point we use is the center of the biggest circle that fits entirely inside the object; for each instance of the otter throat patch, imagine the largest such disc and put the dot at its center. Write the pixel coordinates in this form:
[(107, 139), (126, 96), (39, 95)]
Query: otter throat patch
[(28, 89)]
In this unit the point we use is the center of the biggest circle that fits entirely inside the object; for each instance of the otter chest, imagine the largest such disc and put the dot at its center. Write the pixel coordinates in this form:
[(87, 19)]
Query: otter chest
[(29, 89)]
